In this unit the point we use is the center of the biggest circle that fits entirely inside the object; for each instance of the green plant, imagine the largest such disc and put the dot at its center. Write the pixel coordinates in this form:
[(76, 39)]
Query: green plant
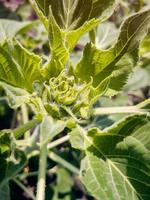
[(61, 95)]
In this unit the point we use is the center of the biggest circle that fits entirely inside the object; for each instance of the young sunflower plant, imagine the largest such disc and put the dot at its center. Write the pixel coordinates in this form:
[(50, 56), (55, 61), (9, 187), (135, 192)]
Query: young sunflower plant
[(116, 163)]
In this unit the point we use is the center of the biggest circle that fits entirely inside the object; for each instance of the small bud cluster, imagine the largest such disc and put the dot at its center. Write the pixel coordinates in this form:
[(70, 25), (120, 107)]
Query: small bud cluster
[(64, 92)]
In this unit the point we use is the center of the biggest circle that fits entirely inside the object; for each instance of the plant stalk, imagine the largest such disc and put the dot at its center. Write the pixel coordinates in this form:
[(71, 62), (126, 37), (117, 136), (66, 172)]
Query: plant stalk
[(25, 119), (18, 132), (58, 142), (42, 165), (50, 145), (63, 162), (118, 110)]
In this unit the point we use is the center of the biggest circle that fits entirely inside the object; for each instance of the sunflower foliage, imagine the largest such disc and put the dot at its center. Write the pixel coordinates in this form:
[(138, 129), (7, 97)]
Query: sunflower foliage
[(62, 95)]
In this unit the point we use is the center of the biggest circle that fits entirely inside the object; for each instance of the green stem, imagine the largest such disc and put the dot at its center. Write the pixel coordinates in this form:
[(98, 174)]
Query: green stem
[(118, 110), (25, 175), (50, 146), (18, 132), (42, 173), (144, 105), (58, 142), (63, 162), (25, 119), (42, 165), (30, 174), (30, 194)]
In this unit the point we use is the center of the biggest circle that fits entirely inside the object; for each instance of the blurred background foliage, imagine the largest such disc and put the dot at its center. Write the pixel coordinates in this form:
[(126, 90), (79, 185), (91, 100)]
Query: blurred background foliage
[(63, 183)]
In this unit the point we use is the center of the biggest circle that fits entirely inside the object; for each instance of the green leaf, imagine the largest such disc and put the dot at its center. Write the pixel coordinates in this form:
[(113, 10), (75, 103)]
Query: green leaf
[(119, 76), (139, 79), (5, 142), (40, 14), (99, 63), (70, 14), (72, 37), (64, 177), (10, 28), (102, 9), (74, 18), (59, 54), (117, 162), (12, 159), (14, 166), (118, 73), (103, 180), (52, 127), (100, 90), (18, 67), (16, 96), (106, 35), (76, 137), (145, 46)]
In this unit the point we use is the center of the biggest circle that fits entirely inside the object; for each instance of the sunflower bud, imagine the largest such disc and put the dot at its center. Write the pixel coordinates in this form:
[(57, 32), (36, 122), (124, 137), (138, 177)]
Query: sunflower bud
[(63, 89)]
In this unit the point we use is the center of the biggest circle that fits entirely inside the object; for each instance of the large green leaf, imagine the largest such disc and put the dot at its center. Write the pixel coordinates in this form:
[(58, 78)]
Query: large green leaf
[(74, 17), (71, 14), (18, 67), (9, 28), (117, 162), (59, 54), (101, 63)]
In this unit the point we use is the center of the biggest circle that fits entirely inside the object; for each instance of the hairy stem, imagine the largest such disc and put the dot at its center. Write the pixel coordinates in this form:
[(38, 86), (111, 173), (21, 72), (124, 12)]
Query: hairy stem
[(25, 119), (18, 132), (63, 162), (42, 173), (42, 165), (118, 110), (51, 145), (58, 142)]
